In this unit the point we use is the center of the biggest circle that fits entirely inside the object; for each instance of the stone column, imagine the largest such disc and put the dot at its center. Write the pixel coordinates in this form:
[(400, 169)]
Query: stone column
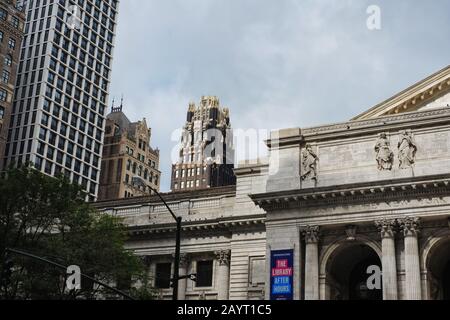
[(223, 274), (388, 259), (411, 228), (312, 263), (182, 284)]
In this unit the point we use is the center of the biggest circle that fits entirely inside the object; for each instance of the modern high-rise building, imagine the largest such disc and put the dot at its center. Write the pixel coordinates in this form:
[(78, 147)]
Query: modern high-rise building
[(11, 33), (130, 166), (58, 116), (207, 154)]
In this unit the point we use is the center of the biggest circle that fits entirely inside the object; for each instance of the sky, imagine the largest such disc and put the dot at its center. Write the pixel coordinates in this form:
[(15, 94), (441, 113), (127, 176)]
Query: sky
[(274, 63)]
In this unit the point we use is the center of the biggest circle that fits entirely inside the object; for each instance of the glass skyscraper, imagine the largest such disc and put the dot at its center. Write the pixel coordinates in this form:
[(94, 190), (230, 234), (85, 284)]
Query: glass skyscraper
[(58, 116)]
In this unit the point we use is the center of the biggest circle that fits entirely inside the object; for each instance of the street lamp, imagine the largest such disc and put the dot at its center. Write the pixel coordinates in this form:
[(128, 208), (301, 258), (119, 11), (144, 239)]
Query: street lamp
[(176, 277)]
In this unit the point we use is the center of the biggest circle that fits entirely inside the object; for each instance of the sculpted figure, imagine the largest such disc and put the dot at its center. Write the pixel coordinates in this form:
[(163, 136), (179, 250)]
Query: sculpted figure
[(309, 163), (407, 150), (385, 157)]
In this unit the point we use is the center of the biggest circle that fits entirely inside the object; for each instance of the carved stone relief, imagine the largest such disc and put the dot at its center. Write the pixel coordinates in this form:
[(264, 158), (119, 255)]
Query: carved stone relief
[(385, 156), (407, 149), (309, 163)]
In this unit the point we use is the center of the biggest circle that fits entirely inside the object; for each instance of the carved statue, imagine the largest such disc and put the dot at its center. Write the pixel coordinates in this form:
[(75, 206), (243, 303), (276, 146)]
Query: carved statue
[(385, 157), (309, 163), (407, 149)]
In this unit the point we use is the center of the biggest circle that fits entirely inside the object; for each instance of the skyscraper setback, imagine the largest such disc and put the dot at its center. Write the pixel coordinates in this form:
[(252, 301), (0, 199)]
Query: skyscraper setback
[(206, 154), (58, 116)]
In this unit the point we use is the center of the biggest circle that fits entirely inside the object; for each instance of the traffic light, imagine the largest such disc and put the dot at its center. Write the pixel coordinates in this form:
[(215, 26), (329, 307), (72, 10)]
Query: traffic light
[(8, 264)]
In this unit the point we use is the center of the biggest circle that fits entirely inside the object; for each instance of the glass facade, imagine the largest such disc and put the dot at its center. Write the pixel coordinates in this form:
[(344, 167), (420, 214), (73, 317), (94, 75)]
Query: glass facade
[(58, 116)]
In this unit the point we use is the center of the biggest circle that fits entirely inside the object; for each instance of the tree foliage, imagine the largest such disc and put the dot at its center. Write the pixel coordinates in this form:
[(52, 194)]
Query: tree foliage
[(49, 217)]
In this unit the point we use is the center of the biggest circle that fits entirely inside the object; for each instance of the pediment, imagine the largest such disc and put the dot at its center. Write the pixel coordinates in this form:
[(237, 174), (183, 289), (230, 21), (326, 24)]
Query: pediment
[(430, 93)]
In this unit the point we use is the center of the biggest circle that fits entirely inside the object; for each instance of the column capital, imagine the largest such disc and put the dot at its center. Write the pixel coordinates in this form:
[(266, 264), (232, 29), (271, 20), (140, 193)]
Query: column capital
[(184, 259), (145, 260), (410, 226), (223, 256), (387, 228), (312, 234)]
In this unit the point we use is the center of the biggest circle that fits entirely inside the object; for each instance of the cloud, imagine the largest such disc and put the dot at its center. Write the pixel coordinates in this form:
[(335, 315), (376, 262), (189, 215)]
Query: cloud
[(275, 64)]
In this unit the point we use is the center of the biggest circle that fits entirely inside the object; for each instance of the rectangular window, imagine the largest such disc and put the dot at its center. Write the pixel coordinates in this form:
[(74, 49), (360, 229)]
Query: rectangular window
[(162, 275), (3, 95), (204, 273), (12, 43), (5, 76)]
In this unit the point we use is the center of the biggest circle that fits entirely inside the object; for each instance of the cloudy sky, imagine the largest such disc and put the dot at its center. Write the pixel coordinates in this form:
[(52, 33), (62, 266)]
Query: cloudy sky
[(274, 63)]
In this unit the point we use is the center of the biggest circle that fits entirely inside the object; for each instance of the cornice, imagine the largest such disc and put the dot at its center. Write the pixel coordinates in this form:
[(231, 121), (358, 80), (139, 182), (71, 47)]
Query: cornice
[(436, 116), (412, 97), (204, 226), (409, 120), (388, 190), (170, 197)]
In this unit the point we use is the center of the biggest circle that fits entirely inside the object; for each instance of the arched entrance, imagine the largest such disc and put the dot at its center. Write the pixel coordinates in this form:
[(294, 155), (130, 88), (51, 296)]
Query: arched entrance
[(438, 267), (346, 272)]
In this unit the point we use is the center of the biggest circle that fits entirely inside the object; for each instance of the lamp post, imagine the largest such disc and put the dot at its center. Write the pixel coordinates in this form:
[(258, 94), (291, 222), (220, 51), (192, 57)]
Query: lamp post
[(178, 220)]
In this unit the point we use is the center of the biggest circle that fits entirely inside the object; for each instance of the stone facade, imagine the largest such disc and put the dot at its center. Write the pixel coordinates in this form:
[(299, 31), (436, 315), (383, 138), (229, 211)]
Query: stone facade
[(206, 154), (378, 195), (12, 19), (364, 195), (220, 225), (130, 166)]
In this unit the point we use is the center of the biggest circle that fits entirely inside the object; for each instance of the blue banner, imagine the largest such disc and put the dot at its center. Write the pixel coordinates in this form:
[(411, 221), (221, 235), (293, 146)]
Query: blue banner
[(282, 275)]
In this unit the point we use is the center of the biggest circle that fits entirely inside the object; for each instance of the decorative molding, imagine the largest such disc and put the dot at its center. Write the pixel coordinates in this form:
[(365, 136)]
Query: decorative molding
[(311, 234), (387, 228), (413, 97), (184, 260), (383, 120), (410, 226), (350, 231), (223, 256), (422, 188), (206, 227)]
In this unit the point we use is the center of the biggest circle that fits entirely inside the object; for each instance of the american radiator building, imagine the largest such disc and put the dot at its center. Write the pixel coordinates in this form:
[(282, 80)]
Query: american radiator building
[(353, 210)]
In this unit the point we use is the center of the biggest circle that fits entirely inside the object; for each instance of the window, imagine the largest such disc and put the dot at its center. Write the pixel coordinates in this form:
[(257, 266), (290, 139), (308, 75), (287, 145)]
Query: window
[(8, 60), (12, 43), (15, 22), (1, 36), (162, 275), (2, 112), (3, 95), (5, 76), (3, 14), (204, 273)]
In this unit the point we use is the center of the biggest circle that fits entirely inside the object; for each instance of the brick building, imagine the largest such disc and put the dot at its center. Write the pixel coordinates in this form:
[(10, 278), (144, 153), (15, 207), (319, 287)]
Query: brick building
[(12, 19), (130, 167)]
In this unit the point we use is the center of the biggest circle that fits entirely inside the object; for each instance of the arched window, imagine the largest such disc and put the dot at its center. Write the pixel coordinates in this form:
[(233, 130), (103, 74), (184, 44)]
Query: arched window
[(8, 60), (134, 167)]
